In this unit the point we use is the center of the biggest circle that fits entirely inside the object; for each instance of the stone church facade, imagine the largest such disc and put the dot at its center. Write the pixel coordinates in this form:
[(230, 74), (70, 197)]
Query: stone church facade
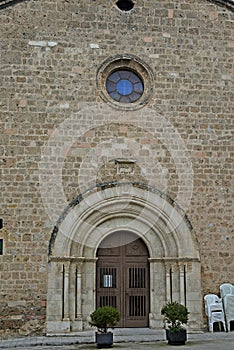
[(116, 160)]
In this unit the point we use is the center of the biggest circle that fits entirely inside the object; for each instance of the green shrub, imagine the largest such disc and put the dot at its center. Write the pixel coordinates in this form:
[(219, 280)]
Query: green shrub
[(175, 315), (104, 317)]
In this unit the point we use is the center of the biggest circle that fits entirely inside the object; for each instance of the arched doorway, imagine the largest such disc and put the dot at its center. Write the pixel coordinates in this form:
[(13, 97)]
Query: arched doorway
[(122, 277), (83, 230)]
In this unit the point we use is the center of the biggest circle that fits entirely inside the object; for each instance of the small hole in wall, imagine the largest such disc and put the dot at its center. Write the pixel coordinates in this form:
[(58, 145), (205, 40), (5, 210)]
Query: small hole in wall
[(125, 5), (1, 222)]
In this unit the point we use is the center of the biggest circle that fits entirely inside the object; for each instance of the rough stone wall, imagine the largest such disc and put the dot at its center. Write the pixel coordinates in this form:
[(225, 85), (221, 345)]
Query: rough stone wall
[(50, 54)]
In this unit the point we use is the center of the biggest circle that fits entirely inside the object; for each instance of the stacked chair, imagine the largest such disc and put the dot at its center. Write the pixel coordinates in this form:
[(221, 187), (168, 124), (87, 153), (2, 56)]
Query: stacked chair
[(227, 295), (220, 310), (214, 311)]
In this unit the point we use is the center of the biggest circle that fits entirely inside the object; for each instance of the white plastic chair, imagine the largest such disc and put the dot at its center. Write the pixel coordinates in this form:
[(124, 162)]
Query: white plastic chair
[(227, 295), (214, 311)]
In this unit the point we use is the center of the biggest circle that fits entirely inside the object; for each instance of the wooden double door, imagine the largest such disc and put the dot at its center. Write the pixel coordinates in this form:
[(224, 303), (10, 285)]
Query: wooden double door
[(123, 278)]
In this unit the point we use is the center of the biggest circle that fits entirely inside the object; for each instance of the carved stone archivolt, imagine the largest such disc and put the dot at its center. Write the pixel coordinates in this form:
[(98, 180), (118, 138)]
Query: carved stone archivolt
[(174, 261)]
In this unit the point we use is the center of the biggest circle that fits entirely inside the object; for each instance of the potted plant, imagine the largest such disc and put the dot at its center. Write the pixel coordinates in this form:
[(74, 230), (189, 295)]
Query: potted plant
[(103, 318), (175, 316)]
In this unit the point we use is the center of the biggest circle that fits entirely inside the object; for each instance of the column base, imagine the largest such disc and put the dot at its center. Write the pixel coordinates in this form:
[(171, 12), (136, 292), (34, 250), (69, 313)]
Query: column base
[(77, 325), (56, 327)]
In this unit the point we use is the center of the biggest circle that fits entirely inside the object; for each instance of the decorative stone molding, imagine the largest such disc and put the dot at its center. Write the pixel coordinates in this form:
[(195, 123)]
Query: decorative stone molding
[(108, 185), (64, 259), (172, 259), (226, 3)]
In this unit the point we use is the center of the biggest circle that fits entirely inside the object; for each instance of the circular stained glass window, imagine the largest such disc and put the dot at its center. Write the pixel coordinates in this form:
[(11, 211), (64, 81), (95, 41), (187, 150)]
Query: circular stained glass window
[(124, 86)]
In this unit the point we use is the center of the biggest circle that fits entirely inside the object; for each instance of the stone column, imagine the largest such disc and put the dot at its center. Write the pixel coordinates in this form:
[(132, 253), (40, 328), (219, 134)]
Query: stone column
[(76, 295), (78, 291), (66, 273), (182, 283), (88, 290), (168, 281)]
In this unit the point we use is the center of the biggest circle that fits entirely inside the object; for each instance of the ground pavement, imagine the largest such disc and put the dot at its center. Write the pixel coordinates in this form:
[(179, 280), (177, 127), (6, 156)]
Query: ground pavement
[(132, 339)]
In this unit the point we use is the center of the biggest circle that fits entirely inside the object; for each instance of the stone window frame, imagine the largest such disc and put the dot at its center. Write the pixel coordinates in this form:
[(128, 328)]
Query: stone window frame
[(128, 62)]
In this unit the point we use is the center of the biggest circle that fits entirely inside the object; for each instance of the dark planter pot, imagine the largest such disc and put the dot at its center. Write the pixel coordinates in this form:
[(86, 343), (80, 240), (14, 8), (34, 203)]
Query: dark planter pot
[(176, 338), (104, 340)]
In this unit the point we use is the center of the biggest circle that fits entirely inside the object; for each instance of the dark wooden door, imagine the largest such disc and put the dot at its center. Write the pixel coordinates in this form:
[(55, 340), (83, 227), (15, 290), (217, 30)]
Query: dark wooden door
[(123, 277)]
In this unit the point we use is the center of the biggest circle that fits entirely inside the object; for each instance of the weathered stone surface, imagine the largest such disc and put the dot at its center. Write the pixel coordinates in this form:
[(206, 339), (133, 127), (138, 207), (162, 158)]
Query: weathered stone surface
[(50, 53)]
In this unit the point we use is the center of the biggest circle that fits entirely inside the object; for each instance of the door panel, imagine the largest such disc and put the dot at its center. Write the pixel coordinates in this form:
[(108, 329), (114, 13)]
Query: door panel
[(108, 284), (137, 295), (123, 278)]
